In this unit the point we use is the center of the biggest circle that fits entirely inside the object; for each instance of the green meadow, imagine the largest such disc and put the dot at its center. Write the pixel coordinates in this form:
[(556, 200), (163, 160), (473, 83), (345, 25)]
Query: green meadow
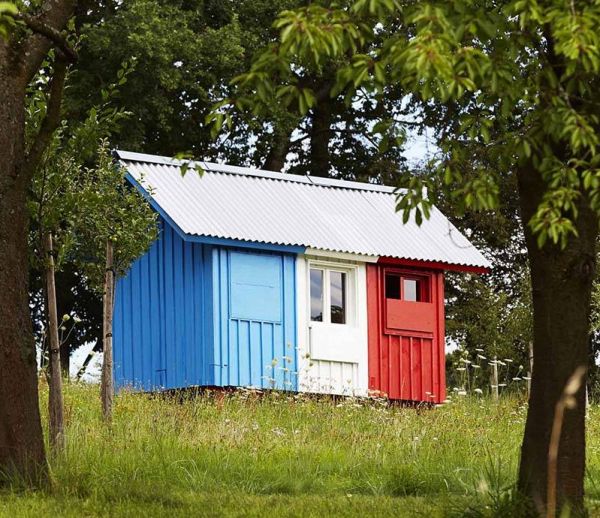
[(242, 454)]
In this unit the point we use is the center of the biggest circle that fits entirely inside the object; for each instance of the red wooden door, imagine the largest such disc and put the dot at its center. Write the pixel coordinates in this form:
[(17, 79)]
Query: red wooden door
[(406, 333)]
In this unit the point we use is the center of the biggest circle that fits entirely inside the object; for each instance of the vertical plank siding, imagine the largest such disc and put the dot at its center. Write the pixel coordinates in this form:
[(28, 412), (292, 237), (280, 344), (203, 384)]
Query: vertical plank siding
[(174, 325), (158, 330)]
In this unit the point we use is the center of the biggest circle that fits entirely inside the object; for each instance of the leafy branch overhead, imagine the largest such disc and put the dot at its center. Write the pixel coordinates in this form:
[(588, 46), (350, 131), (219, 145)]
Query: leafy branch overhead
[(8, 11), (482, 66)]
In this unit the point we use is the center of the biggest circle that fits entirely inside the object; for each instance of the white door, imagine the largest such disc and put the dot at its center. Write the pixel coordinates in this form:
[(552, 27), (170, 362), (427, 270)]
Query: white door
[(332, 326)]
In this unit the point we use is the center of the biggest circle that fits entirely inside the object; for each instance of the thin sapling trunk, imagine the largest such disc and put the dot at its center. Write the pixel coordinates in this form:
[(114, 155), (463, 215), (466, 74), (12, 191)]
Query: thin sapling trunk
[(108, 388), (55, 399)]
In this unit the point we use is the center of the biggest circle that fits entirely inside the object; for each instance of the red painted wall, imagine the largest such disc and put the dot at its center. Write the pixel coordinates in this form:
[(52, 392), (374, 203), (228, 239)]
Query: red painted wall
[(406, 339)]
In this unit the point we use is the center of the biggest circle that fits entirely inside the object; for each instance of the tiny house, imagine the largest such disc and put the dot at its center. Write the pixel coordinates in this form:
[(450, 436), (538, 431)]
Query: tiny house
[(270, 280)]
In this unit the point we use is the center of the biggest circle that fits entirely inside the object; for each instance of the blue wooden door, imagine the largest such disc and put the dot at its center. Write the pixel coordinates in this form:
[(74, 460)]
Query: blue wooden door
[(256, 332)]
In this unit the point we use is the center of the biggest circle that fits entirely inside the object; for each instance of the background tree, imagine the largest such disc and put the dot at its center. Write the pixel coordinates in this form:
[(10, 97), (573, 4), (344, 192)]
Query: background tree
[(188, 53), (490, 315), (35, 31), (517, 80)]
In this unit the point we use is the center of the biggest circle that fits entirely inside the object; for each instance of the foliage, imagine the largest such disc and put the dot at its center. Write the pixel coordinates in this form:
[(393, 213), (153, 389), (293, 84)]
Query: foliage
[(7, 20), (485, 324), (486, 63), (55, 192), (188, 54), (109, 209)]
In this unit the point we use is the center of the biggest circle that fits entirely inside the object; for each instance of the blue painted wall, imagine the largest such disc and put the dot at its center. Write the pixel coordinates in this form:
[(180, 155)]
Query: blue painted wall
[(162, 306), (190, 313)]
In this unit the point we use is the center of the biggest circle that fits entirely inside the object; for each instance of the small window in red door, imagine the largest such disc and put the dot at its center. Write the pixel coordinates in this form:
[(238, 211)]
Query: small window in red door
[(410, 288), (407, 306)]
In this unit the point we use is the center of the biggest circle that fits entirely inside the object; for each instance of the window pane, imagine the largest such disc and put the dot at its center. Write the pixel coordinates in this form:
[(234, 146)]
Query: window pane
[(316, 295), (337, 282), (392, 287), (411, 289)]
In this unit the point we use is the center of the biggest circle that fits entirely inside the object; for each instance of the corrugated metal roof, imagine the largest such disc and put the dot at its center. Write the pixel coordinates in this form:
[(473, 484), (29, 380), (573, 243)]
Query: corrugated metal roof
[(282, 209)]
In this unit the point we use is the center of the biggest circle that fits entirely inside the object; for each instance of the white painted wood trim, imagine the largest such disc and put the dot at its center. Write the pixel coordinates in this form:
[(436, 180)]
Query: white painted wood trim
[(344, 256)]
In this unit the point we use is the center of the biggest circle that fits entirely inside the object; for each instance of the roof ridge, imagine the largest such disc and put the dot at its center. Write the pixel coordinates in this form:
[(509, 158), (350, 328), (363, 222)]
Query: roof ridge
[(258, 173)]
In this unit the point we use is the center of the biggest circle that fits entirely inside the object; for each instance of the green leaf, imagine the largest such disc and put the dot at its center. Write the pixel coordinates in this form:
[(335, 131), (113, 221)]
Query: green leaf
[(8, 8)]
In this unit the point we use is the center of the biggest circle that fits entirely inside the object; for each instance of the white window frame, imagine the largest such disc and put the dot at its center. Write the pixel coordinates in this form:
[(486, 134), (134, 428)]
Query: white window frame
[(351, 291)]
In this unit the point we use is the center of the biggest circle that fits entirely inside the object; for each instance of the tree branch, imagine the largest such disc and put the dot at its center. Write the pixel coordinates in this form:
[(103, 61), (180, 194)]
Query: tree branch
[(38, 26), (53, 17), (51, 120)]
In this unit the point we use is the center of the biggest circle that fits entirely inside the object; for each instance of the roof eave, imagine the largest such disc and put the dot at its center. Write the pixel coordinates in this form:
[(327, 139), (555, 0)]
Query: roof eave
[(435, 265)]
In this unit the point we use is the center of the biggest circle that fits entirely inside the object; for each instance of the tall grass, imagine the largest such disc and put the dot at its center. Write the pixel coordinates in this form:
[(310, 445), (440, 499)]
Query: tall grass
[(290, 454)]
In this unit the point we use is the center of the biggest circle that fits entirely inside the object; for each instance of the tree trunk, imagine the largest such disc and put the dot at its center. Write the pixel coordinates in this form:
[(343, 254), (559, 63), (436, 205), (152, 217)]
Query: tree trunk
[(55, 398), (21, 438), (561, 288), (320, 135), (108, 388), (280, 146)]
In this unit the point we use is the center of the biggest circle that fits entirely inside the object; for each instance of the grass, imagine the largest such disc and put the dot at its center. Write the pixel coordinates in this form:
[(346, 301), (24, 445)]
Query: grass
[(240, 455)]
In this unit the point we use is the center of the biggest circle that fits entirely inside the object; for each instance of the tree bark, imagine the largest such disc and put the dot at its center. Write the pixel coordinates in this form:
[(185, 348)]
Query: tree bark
[(55, 398), (108, 388), (21, 439), (280, 146), (320, 136), (561, 288), (21, 55)]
